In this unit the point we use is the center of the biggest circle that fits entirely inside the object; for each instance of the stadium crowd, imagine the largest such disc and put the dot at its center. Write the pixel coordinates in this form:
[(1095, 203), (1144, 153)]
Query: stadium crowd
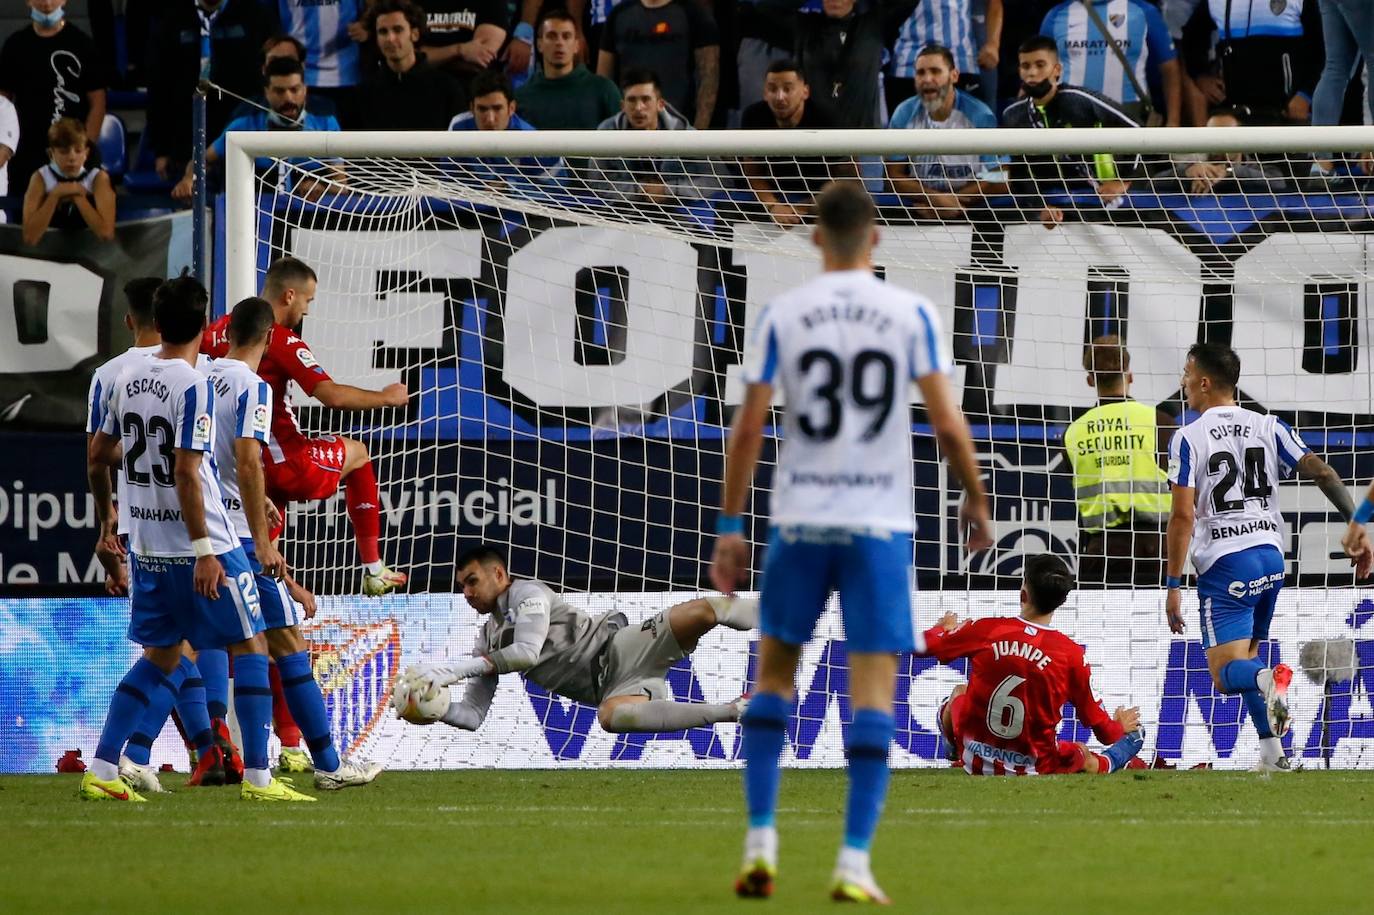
[(677, 65)]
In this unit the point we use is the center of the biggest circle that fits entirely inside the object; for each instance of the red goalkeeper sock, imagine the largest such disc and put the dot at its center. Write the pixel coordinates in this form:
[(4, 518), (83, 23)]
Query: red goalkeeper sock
[(360, 492), (287, 731)]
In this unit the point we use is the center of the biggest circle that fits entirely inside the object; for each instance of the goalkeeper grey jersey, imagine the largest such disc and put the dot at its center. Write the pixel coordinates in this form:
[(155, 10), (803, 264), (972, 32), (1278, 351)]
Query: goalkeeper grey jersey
[(569, 660)]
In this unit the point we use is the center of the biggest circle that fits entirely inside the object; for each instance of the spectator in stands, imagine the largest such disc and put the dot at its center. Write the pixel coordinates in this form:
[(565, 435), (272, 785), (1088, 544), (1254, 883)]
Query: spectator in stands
[(493, 108), (1047, 103), (563, 94), (404, 92), (949, 24), (841, 52), (658, 181), (281, 45), (1269, 56), (1137, 29), (67, 194), (787, 187), (287, 97), (50, 71), (678, 40), (333, 34), (9, 142), (1119, 482), (765, 37), (1348, 32), (942, 187), (1220, 173), (236, 32), (464, 36)]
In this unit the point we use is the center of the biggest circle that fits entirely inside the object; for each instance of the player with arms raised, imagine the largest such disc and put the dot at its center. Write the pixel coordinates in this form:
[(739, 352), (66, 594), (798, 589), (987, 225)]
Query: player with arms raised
[(301, 469), (845, 348), (1021, 672), (189, 579), (243, 416), (601, 661), (1225, 467)]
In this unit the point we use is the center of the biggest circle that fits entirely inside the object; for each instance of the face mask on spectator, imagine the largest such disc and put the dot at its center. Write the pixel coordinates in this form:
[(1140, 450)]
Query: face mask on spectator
[(47, 20), (1038, 89), (57, 167), (288, 122)]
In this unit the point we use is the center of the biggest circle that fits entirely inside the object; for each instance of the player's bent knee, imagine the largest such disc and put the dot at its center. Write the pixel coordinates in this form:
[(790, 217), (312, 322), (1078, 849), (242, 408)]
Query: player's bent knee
[(256, 645), (284, 641), (607, 718), (164, 658)]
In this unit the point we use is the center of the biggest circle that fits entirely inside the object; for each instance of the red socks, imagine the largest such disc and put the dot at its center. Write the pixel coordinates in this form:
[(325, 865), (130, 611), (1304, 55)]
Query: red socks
[(287, 731), (364, 510)]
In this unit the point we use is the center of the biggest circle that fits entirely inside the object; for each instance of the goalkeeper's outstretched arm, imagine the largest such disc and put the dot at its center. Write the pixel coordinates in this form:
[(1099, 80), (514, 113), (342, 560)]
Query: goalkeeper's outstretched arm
[(472, 710)]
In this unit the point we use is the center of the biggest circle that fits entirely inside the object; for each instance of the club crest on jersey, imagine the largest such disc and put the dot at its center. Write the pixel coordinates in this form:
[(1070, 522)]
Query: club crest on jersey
[(200, 433), (260, 418), (1278, 6), (1116, 19)]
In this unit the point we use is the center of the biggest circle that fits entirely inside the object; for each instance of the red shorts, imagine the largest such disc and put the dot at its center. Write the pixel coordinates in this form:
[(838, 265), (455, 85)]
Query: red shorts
[(1068, 758), (309, 470)]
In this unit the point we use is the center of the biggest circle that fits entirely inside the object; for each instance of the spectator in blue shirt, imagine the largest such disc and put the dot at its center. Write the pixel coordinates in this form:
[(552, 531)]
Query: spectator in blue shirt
[(949, 23), (941, 186), (284, 86), (1139, 30), (333, 35), (493, 108)]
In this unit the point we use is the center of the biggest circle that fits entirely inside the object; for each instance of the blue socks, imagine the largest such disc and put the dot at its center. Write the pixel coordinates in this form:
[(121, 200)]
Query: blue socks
[(127, 705), (253, 704), (191, 707), (765, 730), (306, 702), (214, 670), (1242, 677), (1124, 750), (870, 738), (140, 746)]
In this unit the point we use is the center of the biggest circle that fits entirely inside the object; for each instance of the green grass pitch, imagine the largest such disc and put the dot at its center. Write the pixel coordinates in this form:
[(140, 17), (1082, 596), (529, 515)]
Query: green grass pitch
[(669, 842)]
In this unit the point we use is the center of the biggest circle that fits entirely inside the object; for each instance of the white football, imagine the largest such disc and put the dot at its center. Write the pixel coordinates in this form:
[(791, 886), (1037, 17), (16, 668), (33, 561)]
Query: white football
[(414, 704)]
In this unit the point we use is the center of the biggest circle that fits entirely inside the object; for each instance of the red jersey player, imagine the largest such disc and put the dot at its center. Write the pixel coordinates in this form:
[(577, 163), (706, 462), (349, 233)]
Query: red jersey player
[(298, 468), (1021, 672)]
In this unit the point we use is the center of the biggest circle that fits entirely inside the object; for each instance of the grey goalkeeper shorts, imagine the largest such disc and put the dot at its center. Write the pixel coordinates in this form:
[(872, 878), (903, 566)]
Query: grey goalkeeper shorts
[(638, 657)]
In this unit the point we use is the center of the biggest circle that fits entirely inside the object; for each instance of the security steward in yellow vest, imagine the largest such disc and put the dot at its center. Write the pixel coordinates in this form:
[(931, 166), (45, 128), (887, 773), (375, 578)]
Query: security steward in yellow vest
[(1115, 451)]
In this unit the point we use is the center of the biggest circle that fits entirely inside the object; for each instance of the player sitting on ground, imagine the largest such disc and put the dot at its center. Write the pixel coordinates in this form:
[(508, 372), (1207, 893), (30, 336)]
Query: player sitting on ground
[(298, 468), (1224, 467), (601, 661), (1021, 672), (189, 578)]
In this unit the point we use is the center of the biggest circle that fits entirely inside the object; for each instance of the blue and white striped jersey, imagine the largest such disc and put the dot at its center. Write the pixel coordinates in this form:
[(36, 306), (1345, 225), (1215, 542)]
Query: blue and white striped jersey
[(601, 9), (159, 406), (98, 404), (946, 173), (942, 22), (243, 409), (845, 348), (1136, 27), (1233, 459), (1256, 18), (332, 59)]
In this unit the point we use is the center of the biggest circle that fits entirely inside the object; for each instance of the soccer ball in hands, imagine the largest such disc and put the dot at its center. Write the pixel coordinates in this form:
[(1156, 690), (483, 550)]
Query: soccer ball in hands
[(415, 704)]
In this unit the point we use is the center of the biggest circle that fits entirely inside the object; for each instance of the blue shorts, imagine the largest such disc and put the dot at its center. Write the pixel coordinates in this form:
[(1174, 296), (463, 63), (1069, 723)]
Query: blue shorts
[(1237, 593), (278, 609), (165, 608), (872, 572)]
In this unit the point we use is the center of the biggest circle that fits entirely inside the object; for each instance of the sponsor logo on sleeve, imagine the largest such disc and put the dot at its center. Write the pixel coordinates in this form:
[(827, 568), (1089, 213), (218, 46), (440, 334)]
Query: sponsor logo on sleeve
[(200, 433), (307, 358), (261, 414)]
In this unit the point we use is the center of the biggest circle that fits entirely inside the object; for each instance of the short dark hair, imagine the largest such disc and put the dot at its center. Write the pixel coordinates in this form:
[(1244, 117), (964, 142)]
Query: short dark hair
[(938, 50), (489, 81), (786, 65), (484, 554), (284, 273), (556, 14), (846, 214), (1039, 43), (282, 66), (179, 307), (250, 321), (1218, 362), (1107, 357), (415, 16), (1048, 582), (282, 38), (139, 294), (638, 76)]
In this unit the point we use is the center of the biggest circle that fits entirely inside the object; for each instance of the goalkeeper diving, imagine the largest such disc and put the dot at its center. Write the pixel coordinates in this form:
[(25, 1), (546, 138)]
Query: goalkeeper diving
[(602, 661)]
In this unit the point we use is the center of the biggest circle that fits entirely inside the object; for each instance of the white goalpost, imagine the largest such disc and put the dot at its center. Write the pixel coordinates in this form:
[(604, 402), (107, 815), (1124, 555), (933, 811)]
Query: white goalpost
[(569, 309)]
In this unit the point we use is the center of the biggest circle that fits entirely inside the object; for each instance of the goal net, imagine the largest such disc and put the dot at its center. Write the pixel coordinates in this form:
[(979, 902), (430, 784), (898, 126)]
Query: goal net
[(568, 311)]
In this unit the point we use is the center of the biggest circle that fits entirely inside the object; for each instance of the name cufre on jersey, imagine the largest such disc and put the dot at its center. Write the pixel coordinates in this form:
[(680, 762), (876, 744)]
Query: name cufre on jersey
[(243, 410), (845, 348), (288, 358), (158, 407), (1233, 459)]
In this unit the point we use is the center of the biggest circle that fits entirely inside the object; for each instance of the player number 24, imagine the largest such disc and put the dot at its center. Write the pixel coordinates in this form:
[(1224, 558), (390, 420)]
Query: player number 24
[(1256, 486), (861, 394)]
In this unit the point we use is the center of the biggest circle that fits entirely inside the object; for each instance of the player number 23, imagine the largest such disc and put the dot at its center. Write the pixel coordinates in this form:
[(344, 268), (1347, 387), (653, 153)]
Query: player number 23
[(1006, 713)]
